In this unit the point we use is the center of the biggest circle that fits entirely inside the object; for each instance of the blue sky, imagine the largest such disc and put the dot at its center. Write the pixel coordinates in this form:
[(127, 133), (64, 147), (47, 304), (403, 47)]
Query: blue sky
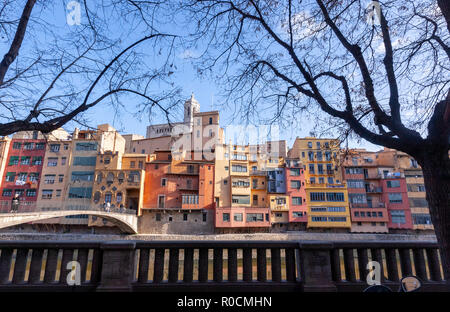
[(206, 92)]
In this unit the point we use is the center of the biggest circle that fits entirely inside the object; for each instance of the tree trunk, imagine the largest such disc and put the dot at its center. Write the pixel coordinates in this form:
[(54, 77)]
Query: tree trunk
[(436, 171)]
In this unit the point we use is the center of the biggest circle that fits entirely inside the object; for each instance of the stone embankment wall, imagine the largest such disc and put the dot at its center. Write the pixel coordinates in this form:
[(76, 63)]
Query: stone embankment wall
[(291, 236)]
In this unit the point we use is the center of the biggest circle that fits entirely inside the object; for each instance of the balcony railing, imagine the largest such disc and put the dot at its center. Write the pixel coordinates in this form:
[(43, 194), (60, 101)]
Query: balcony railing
[(374, 190), (294, 266)]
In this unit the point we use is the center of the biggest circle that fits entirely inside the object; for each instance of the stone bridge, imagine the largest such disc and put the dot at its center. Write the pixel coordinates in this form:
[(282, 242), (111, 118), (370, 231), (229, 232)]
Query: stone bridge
[(126, 222)]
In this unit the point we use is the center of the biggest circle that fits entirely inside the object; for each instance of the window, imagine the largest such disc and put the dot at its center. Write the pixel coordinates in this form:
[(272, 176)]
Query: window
[(31, 192), (132, 164), (58, 193), (330, 180), (418, 202), (297, 214), (398, 216), (311, 168), (17, 145), (25, 160), (80, 192), (47, 194), (40, 146), (49, 179), (355, 183), (210, 120), (60, 178), (422, 219), (319, 219), (297, 201), (336, 209), (204, 215), (33, 176), (392, 184), (189, 199), (141, 164), (120, 177), (22, 177), (238, 168), (295, 184), (241, 199), (335, 197), (119, 197), (63, 161), (10, 176), (110, 178), (28, 146), (395, 198), (86, 146), (134, 177), (310, 144), (163, 181), (107, 161), (318, 209), (97, 197), (318, 144), (37, 160), (158, 217), (54, 148), (7, 192), (52, 162), (84, 161), (294, 172), (238, 217), (337, 219), (311, 156), (82, 176), (185, 216), (357, 198), (314, 196), (13, 160), (319, 156), (161, 200), (321, 180), (66, 147), (19, 192), (255, 217), (328, 156), (108, 197), (226, 217)]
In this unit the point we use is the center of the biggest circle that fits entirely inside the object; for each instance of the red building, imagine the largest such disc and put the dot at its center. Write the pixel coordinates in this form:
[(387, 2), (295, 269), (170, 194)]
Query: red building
[(395, 195), (295, 188), (22, 171)]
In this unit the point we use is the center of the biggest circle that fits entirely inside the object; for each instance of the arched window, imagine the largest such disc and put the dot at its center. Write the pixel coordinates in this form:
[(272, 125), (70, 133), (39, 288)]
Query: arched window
[(97, 197), (134, 176), (121, 177), (108, 197), (99, 177), (119, 197), (110, 178)]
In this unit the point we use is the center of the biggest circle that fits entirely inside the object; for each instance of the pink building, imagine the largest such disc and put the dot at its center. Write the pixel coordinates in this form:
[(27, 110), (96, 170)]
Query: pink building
[(295, 188)]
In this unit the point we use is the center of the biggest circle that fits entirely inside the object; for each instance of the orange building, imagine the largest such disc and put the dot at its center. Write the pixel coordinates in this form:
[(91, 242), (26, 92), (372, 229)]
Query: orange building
[(178, 195)]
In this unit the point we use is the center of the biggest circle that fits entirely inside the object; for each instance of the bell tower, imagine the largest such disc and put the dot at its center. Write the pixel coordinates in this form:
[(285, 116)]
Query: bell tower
[(191, 107)]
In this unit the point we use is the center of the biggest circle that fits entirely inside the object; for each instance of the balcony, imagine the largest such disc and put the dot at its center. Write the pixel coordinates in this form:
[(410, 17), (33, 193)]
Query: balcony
[(190, 207), (181, 170), (260, 173), (373, 190), (279, 207)]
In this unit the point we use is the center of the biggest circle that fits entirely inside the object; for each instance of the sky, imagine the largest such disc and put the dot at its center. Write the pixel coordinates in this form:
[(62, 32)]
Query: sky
[(205, 91)]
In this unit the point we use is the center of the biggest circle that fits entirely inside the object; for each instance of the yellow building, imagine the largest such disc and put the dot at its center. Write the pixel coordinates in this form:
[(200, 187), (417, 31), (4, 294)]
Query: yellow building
[(326, 193)]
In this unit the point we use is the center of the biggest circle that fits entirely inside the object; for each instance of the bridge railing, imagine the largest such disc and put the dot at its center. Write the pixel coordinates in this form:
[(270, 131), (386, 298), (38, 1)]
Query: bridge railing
[(215, 265), (28, 208)]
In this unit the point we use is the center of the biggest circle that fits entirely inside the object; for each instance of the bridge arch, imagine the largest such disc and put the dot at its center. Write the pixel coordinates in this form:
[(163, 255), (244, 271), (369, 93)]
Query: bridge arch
[(126, 222)]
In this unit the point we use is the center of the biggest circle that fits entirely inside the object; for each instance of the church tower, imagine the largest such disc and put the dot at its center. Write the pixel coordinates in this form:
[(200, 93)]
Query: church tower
[(191, 107)]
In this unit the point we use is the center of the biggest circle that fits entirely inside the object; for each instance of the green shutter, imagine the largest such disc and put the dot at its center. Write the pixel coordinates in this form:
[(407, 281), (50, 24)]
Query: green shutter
[(12, 159)]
